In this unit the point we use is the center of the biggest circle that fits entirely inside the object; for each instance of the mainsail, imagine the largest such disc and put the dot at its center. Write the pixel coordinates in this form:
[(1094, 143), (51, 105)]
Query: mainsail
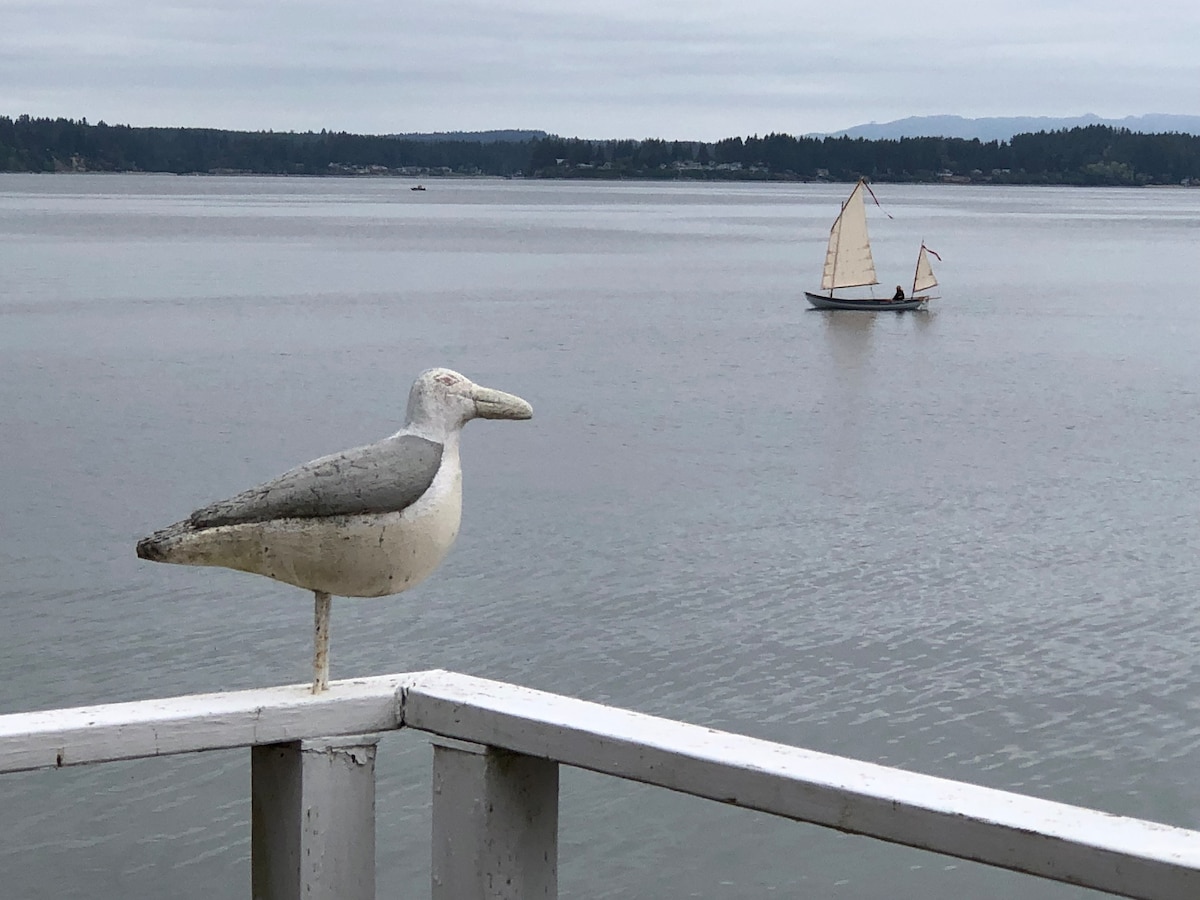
[(848, 261), (924, 278)]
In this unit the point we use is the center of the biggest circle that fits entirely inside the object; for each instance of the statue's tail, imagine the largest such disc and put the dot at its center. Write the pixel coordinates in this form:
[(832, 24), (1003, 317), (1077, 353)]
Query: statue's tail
[(163, 545)]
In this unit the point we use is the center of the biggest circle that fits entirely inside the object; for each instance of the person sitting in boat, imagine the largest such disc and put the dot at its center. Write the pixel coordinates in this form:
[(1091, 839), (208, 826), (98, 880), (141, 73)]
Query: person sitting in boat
[(899, 295)]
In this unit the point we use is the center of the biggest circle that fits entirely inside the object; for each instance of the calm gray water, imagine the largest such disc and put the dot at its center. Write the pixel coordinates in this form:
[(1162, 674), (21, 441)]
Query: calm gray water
[(962, 542)]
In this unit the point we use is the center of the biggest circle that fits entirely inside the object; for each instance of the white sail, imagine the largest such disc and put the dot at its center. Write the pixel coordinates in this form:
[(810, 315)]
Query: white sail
[(924, 278), (848, 261)]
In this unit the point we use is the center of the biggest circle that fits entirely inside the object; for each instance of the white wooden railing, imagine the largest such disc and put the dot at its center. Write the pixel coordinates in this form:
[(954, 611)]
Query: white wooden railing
[(495, 786)]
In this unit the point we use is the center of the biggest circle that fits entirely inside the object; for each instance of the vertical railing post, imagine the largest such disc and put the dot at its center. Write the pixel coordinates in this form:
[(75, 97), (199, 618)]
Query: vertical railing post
[(495, 824), (313, 820)]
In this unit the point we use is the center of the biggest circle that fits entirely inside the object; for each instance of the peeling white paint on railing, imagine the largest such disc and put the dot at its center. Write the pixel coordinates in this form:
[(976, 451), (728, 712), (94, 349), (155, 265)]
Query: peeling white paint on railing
[(1065, 843)]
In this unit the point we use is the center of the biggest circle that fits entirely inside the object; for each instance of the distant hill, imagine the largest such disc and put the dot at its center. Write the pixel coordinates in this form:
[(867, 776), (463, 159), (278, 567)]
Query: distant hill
[(1003, 128), (481, 137)]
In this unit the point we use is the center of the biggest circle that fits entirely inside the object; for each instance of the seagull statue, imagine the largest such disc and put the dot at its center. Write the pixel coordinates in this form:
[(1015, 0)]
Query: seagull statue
[(365, 522)]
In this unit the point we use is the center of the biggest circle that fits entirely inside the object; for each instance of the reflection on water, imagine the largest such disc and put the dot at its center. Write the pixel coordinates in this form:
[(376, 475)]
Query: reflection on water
[(849, 340), (959, 541)]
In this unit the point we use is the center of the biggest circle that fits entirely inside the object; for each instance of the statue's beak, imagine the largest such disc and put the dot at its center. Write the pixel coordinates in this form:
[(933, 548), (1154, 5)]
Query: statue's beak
[(492, 404)]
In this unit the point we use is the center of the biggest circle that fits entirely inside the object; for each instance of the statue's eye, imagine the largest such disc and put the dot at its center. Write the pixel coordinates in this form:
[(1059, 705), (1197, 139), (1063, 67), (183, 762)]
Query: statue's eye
[(447, 380)]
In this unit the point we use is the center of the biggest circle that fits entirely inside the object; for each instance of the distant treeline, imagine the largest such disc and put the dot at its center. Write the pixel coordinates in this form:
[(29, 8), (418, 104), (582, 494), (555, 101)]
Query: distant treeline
[(1092, 155)]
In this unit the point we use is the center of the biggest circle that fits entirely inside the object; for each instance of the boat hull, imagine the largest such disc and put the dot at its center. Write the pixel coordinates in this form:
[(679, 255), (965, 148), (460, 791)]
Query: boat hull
[(824, 301)]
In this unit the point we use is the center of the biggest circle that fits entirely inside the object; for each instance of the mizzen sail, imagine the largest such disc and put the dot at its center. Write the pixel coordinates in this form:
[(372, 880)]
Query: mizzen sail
[(924, 278), (848, 261)]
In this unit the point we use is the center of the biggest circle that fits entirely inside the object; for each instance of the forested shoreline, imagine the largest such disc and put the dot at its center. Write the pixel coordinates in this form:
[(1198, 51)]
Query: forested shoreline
[(1091, 155)]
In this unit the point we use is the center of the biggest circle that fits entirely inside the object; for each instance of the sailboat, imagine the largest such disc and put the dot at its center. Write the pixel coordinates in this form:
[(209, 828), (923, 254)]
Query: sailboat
[(848, 263)]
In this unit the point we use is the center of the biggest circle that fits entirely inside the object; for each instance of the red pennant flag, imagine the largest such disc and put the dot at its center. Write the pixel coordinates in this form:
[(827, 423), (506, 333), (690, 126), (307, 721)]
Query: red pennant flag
[(876, 199)]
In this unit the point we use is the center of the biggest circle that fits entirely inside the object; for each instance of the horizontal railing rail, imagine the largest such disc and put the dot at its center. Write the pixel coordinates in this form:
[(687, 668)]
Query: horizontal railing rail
[(196, 722), (516, 737)]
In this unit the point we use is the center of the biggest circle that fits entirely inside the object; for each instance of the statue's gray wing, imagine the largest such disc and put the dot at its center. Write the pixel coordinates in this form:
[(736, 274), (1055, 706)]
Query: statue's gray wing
[(383, 477)]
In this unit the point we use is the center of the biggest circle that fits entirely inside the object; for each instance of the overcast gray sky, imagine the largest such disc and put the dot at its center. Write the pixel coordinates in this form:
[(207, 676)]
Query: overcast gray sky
[(678, 69)]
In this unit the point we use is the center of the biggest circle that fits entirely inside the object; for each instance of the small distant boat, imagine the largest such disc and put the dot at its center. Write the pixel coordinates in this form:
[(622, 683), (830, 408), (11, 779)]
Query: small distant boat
[(419, 187), (848, 263)]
